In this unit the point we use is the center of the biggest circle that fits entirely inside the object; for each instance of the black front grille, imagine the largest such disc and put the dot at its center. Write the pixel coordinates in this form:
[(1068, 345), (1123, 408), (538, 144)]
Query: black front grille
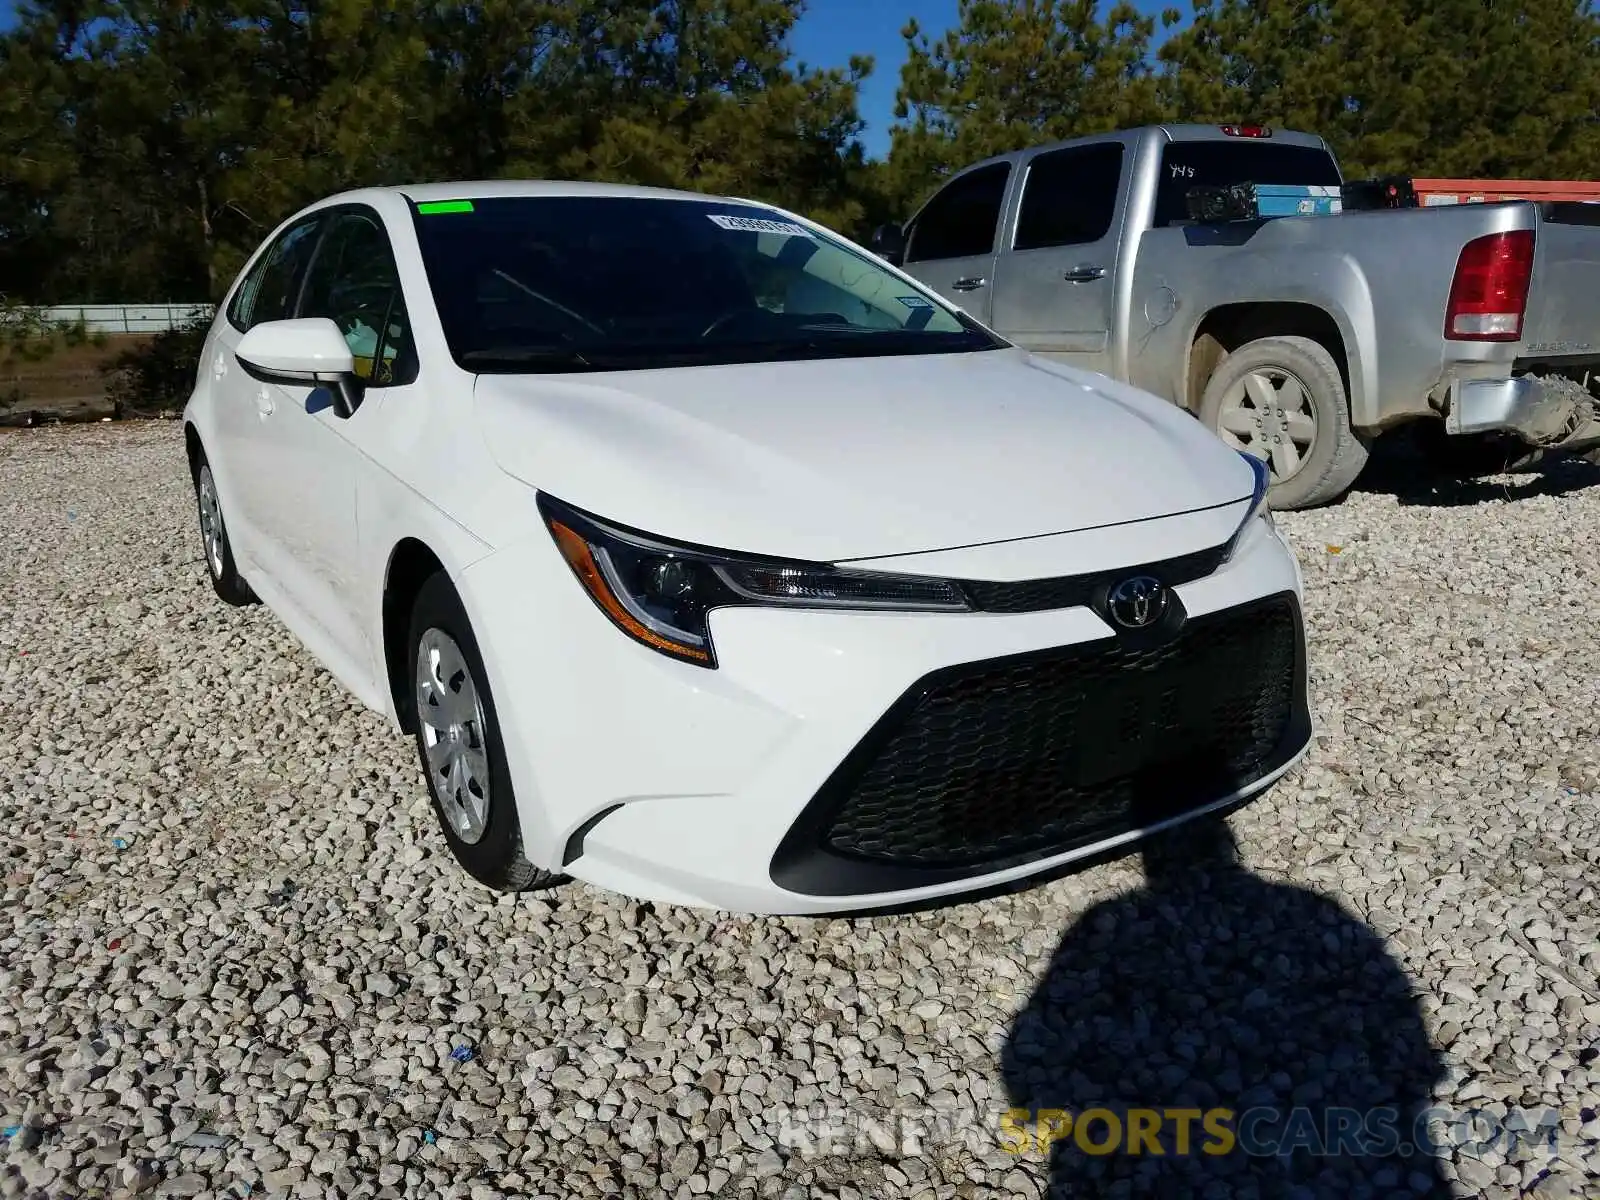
[(1071, 591), (988, 766)]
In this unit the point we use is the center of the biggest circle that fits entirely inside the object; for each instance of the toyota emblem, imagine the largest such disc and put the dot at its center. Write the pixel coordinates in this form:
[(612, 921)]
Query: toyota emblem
[(1137, 603)]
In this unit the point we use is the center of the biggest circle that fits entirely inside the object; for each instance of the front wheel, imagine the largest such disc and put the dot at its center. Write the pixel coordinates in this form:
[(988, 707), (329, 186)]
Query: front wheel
[(1283, 400), (214, 545), (458, 740)]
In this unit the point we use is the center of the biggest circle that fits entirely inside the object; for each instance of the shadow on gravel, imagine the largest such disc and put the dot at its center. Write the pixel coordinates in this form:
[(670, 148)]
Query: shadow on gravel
[(1211, 988), (1410, 465)]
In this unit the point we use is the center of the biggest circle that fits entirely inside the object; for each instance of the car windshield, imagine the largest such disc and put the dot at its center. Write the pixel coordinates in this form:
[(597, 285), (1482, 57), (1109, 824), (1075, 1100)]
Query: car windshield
[(576, 283)]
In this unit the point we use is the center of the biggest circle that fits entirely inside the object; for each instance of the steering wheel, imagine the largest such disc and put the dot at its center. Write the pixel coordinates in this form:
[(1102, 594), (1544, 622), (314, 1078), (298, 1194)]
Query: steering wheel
[(369, 304), (363, 298)]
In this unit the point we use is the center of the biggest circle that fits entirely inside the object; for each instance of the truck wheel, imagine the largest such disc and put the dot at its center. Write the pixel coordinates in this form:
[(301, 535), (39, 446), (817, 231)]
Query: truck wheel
[(1282, 399)]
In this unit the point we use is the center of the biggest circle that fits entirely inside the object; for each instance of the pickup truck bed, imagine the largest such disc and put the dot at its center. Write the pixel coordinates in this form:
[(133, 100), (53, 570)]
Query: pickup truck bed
[(1408, 191), (1295, 338)]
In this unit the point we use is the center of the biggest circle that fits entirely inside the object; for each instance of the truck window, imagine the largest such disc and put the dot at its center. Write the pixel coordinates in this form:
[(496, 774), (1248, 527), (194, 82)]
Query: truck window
[(1069, 197), (1222, 164), (960, 221)]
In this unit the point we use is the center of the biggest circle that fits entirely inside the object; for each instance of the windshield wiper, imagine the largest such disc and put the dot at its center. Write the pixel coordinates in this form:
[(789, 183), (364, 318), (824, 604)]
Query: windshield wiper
[(822, 342), (546, 358)]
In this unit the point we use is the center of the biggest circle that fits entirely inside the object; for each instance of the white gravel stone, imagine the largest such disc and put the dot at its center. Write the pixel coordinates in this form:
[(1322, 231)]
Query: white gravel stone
[(228, 913)]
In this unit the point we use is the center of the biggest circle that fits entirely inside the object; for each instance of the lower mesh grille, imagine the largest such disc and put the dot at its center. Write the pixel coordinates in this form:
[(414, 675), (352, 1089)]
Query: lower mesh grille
[(1007, 761)]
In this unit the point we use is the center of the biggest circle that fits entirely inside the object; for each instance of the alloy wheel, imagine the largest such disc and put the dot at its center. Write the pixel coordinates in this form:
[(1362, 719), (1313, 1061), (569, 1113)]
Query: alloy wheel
[(1267, 414)]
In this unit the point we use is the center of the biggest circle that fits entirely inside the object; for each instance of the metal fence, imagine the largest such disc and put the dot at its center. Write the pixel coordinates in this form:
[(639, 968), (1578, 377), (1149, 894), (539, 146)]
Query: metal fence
[(128, 318)]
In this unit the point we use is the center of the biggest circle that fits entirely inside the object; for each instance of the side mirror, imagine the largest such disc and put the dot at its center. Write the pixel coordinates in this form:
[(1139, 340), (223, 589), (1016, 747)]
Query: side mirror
[(889, 244), (307, 350)]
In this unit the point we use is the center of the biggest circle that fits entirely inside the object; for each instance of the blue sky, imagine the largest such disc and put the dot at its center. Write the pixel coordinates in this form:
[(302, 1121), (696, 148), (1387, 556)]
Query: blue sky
[(833, 30)]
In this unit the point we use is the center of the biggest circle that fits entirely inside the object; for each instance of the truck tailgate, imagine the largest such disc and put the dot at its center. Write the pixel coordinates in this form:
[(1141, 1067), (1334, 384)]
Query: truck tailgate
[(1563, 317)]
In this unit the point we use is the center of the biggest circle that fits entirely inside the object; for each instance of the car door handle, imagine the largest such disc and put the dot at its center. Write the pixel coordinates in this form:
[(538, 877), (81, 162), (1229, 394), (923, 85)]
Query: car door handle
[(1084, 274), (970, 283)]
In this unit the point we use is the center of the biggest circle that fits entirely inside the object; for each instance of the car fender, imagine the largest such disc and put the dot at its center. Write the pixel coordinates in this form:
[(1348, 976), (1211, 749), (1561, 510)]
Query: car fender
[(200, 415), (387, 522)]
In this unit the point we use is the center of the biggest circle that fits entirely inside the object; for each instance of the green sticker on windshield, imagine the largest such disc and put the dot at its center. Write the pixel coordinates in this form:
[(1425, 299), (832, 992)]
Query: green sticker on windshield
[(433, 207)]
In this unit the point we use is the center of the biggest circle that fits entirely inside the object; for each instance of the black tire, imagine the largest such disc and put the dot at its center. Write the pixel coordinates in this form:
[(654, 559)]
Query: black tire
[(495, 857), (1336, 453), (220, 567)]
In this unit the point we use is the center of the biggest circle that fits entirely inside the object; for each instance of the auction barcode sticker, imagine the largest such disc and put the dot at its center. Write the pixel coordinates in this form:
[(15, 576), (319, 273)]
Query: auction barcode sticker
[(759, 225)]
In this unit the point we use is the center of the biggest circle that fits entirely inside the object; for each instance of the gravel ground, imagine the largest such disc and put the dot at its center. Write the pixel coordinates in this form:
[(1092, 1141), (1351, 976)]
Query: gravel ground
[(236, 958)]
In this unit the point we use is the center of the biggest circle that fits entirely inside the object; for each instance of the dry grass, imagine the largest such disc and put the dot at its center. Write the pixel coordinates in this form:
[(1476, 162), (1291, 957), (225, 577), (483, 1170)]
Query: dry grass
[(68, 383)]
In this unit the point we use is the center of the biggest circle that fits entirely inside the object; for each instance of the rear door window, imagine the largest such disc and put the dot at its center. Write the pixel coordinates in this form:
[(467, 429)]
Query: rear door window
[(270, 291), (1070, 197)]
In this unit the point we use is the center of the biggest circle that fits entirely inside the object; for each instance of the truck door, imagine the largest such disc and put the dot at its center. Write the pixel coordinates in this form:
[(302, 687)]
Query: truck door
[(950, 243), (1054, 287)]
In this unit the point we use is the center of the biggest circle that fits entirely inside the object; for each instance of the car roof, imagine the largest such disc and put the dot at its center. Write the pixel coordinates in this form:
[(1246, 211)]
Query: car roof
[(484, 189), (1173, 133)]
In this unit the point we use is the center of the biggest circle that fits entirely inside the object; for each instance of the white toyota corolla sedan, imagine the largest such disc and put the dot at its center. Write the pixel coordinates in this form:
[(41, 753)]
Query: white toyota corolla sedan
[(711, 560)]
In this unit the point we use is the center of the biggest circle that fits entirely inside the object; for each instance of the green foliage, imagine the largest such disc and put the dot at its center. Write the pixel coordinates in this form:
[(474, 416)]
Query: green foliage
[(149, 145), (1475, 88), (158, 141), (1017, 72), (159, 374), (1459, 88)]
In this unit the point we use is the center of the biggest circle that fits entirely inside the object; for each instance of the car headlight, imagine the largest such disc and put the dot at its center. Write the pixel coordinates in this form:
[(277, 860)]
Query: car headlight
[(661, 593), (1259, 508)]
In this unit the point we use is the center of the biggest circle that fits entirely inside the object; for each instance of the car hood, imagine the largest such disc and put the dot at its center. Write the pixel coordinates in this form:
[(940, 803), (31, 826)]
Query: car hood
[(857, 457)]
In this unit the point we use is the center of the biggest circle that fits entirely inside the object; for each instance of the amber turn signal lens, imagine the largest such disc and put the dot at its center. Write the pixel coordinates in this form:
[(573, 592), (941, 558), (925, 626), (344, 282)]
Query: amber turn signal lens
[(581, 559)]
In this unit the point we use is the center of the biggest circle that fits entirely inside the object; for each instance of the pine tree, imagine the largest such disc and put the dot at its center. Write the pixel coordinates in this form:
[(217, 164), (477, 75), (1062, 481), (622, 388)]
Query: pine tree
[(1017, 72), (1475, 88), (156, 142)]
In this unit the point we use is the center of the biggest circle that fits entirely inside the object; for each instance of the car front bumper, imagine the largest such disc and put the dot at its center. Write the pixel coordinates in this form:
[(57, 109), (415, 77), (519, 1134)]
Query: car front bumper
[(805, 773)]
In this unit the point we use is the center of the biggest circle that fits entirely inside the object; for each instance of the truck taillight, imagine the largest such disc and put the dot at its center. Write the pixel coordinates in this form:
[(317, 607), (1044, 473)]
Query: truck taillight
[(1254, 131), (1490, 290)]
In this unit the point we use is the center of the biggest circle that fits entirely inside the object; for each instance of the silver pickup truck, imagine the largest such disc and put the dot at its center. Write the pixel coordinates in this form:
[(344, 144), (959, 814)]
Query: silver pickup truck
[(1298, 338)]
